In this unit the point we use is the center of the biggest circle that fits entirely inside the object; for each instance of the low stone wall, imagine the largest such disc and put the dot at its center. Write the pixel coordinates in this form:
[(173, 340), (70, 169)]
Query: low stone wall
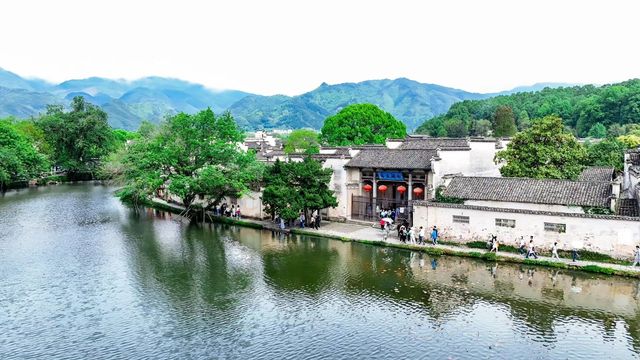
[(615, 236)]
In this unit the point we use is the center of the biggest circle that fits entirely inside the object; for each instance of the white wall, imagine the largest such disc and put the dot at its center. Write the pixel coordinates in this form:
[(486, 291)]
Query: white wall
[(339, 186), (614, 237), (475, 162), (526, 206)]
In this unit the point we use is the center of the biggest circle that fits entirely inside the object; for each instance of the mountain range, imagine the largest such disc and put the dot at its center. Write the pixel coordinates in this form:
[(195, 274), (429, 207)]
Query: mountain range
[(152, 98)]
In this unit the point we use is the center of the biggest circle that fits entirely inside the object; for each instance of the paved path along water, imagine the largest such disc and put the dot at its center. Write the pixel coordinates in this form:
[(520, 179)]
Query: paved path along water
[(372, 232)]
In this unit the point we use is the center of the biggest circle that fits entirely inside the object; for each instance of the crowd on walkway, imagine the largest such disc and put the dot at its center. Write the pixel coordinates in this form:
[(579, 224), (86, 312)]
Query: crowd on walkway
[(225, 210), (417, 235)]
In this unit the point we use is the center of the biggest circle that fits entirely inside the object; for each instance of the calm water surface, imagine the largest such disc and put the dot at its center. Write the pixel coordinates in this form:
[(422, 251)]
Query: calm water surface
[(84, 277)]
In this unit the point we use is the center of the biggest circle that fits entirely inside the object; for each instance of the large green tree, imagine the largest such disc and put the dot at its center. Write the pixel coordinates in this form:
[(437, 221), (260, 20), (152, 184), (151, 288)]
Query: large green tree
[(360, 124), (79, 138), (546, 151), (597, 131), (504, 123), (302, 140), (294, 187), (608, 152), (19, 158), (193, 156)]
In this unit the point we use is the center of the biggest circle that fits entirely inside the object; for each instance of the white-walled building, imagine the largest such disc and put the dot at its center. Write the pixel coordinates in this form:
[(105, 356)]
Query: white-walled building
[(587, 213)]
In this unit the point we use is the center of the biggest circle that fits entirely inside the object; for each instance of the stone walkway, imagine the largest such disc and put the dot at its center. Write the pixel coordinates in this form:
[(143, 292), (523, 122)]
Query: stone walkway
[(358, 232)]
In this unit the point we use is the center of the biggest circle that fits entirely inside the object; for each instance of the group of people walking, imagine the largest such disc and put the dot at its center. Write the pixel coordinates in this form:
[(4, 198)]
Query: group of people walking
[(225, 210), (314, 222), (415, 235)]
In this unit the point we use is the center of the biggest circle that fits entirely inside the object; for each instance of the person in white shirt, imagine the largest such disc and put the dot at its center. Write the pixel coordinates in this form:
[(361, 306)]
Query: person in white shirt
[(421, 235), (554, 251)]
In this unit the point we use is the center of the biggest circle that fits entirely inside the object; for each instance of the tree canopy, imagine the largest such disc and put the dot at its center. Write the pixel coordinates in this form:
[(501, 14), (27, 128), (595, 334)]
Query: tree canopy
[(545, 150), (193, 156), (360, 124), (302, 140), (608, 152), (19, 158), (504, 122), (581, 107), (293, 187), (79, 138)]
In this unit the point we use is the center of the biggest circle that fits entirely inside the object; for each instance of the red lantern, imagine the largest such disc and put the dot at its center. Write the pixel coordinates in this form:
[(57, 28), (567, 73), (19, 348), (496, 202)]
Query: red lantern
[(418, 191), (367, 187), (401, 189), (382, 188)]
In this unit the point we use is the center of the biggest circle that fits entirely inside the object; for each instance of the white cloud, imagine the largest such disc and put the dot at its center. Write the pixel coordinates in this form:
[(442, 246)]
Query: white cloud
[(292, 46)]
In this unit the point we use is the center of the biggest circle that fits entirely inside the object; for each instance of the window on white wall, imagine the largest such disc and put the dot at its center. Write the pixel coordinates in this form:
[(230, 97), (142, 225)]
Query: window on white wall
[(460, 219), (506, 223), (559, 228)]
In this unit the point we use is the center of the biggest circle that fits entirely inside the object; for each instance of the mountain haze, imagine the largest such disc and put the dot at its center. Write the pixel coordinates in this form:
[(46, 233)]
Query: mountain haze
[(152, 98)]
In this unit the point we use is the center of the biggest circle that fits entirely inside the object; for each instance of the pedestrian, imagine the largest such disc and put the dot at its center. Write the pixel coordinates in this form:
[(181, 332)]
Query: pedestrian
[(434, 235), (554, 251), (421, 236), (532, 250), (302, 219), (494, 244), (636, 258), (382, 222), (523, 244), (238, 212), (281, 223), (412, 235), (574, 254), (402, 233), (312, 221), (387, 230), (317, 222)]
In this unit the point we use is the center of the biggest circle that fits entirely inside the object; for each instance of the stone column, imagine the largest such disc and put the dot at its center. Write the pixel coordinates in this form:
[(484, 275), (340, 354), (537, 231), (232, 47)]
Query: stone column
[(410, 189)]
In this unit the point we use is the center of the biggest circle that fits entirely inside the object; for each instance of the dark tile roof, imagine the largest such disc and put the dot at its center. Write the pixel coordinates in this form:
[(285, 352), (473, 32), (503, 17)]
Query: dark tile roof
[(539, 191), (384, 158), (434, 143), (628, 207), (596, 173), (634, 157)]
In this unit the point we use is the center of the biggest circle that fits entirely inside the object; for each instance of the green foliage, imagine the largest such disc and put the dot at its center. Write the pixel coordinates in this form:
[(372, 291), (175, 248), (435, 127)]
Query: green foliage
[(360, 124), (544, 151), (598, 269), (192, 156), (440, 197), (608, 152), (120, 137), (597, 131), (581, 107), (292, 187), (302, 140), (19, 158), (631, 141), (456, 128), (481, 127), (597, 210), (79, 138), (504, 122)]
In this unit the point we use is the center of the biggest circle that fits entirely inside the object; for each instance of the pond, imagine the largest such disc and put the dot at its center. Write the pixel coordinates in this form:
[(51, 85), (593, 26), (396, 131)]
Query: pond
[(83, 276)]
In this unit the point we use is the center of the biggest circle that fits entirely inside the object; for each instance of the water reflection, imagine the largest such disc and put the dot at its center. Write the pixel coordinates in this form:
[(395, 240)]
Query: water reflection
[(101, 280)]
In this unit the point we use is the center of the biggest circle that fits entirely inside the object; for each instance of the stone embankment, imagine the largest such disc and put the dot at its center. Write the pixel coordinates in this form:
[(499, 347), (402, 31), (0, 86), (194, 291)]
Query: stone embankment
[(374, 236)]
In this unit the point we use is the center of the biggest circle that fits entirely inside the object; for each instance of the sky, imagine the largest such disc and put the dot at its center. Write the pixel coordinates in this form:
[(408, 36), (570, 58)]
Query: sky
[(290, 47)]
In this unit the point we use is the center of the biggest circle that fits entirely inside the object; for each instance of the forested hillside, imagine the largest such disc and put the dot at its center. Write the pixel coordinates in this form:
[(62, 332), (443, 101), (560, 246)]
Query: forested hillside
[(586, 110)]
